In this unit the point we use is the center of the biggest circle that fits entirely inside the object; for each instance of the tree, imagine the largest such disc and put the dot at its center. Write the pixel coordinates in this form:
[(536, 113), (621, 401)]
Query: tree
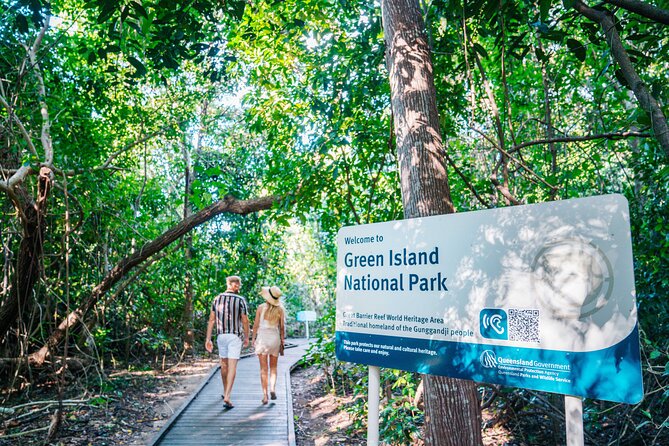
[(534, 100), (228, 204), (30, 209), (453, 416)]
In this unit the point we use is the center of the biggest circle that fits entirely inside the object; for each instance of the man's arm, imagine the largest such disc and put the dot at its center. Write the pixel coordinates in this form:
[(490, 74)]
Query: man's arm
[(245, 322), (208, 345)]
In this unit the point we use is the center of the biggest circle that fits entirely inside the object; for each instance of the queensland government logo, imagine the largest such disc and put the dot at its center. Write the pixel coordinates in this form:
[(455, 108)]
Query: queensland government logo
[(488, 359)]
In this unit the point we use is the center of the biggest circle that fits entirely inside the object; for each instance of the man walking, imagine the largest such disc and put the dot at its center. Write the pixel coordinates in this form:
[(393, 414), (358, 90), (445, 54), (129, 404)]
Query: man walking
[(230, 312)]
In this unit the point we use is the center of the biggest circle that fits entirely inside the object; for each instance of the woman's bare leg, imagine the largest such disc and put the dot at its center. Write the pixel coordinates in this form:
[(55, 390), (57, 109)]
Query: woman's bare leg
[(263, 376), (273, 361)]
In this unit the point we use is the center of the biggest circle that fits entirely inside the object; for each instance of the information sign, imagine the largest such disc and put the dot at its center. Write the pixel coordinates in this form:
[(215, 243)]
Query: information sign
[(306, 316), (539, 297)]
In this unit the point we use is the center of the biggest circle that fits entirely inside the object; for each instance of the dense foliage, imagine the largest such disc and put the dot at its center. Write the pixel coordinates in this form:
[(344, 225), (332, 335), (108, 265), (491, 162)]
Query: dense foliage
[(125, 100)]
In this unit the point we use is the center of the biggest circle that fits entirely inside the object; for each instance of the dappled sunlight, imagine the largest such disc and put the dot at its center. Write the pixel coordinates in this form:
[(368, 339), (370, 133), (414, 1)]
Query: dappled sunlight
[(260, 415), (167, 394)]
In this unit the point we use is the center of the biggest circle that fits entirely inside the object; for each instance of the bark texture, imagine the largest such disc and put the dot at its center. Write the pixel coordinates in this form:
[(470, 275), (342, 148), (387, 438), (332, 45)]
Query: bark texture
[(644, 9), (30, 250), (424, 181), (452, 410)]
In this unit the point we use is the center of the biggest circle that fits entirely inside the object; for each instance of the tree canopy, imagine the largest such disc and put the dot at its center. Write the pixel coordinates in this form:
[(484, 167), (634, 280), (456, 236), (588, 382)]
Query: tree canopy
[(262, 127)]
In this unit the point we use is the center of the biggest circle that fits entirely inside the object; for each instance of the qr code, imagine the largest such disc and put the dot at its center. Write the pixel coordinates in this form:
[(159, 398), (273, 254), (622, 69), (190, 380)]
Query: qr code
[(524, 325)]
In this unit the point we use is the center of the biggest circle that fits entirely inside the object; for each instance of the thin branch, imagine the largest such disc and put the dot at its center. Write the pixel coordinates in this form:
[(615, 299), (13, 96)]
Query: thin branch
[(21, 434), (376, 178), (23, 130), (130, 145), (468, 183), (349, 200), (612, 136), (492, 104), (644, 9), (504, 190), (47, 144), (515, 160)]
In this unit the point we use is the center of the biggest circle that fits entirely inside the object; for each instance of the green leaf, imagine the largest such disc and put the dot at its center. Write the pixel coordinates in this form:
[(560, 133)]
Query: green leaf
[(544, 8), (22, 23), (621, 78), (479, 49), (139, 66), (212, 171), (577, 48), (108, 10), (139, 9)]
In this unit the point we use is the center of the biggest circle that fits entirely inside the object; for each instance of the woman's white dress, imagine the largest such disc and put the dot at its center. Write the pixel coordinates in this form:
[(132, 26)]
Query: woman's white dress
[(268, 339)]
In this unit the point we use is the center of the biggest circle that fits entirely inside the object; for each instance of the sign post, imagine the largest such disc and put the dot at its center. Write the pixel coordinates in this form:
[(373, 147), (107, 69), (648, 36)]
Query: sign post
[(539, 297), (573, 416), (373, 392)]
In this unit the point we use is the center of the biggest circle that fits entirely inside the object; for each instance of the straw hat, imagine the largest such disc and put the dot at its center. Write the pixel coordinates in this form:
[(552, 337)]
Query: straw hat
[(271, 294)]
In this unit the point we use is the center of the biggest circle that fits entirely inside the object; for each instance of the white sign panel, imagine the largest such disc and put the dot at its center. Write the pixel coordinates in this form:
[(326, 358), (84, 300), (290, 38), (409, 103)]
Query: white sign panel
[(539, 296), (306, 316)]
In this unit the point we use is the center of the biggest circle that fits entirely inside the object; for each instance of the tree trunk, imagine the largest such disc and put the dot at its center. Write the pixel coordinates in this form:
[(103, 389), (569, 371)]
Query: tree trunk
[(30, 251), (452, 410), (189, 339)]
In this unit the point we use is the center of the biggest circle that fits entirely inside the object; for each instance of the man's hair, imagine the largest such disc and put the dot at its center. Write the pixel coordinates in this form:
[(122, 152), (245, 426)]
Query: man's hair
[(233, 279)]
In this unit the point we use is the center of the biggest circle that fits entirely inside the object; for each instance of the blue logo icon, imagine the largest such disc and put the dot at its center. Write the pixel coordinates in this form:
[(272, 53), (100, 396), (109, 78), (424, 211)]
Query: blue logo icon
[(494, 323), (488, 359)]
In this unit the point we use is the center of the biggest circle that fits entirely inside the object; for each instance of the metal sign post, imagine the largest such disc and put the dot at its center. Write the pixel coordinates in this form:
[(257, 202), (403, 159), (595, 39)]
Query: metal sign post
[(573, 414), (373, 406)]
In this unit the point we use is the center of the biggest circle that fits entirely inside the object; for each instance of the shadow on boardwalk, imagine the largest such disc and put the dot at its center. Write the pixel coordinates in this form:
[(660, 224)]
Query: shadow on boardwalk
[(203, 419)]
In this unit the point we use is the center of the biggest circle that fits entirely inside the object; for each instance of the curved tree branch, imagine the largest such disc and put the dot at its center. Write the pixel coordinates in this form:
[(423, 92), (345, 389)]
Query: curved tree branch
[(228, 205), (607, 21), (644, 9)]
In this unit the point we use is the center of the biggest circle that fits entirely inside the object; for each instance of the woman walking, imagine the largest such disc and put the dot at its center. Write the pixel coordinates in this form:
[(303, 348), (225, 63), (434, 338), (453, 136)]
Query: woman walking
[(268, 337)]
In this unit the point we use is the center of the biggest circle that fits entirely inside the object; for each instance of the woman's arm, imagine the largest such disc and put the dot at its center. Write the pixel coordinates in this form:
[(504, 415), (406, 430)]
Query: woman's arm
[(256, 322), (282, 326)]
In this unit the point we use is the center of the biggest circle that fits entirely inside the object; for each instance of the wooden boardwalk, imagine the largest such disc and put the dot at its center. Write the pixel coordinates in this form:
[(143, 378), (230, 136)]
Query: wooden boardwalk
[(203, 420)]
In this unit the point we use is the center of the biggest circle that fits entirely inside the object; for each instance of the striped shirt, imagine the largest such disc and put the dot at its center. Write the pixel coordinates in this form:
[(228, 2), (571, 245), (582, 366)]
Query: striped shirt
[(229, 308)]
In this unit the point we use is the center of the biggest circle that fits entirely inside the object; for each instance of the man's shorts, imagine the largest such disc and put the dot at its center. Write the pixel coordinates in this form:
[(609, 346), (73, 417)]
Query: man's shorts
[(229, 345)]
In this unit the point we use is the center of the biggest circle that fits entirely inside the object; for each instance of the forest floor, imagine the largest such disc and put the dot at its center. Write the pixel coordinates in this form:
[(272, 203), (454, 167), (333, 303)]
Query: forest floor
[(321, 418), (132, 406), (129, 408)]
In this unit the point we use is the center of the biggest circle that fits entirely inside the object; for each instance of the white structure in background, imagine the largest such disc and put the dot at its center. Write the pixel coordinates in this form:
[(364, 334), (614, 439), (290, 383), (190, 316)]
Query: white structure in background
[(306, 317)]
